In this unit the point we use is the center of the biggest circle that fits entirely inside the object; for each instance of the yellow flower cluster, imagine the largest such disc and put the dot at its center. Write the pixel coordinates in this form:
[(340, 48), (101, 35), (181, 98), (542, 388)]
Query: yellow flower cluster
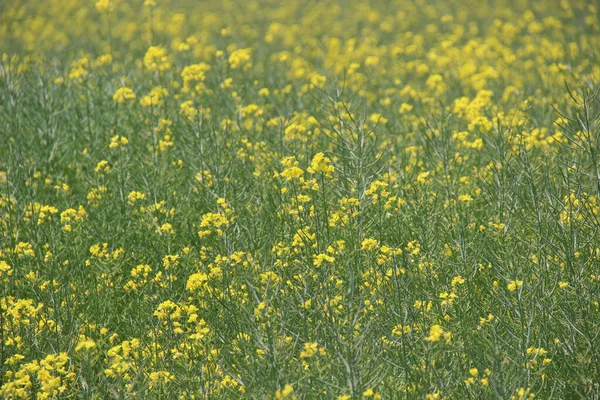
[(320, 163), (50, 376), (123, 95), (328, 199), (156, 59)]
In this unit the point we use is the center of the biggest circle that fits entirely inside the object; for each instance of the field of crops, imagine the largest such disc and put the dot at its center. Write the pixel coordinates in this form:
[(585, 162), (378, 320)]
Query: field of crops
[(333, 199)]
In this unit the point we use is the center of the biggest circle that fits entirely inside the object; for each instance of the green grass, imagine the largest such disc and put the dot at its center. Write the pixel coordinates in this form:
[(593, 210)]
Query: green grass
[(299, 200)]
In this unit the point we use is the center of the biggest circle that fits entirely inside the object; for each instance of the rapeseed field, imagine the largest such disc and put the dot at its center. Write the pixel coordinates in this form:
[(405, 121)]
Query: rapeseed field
[(333, 199)]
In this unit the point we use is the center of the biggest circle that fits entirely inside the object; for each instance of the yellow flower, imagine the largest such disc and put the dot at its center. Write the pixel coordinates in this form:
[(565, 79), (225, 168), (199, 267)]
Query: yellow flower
[(457, 280), (404, 107), (188, 110), (285, 392), (102, 166), (104, 59), (166, 229), (513, 285), (422, 177), (213, 223), (85, 344), (155, 98), (156, 59), (134, 196), (369, 244), (292, 173), (320, 163), (318, 260), (6, 271), (104, 6), (123, 95), (118, 141), (318, 81), (435, 333), (311, 349), (377, 118), (240, 57), (194, 73), (400, 330)]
